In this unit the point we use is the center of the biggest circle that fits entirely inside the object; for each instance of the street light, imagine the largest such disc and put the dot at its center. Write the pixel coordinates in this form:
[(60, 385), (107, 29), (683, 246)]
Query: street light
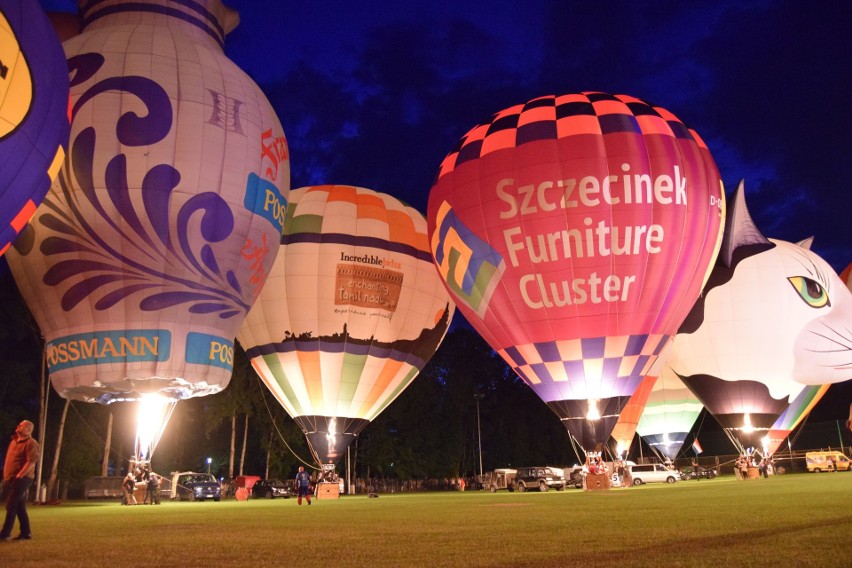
[(478, 397), (209, 461)]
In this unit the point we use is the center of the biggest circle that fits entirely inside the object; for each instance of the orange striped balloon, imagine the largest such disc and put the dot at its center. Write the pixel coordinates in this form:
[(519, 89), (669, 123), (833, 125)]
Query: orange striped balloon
[(352, 311)]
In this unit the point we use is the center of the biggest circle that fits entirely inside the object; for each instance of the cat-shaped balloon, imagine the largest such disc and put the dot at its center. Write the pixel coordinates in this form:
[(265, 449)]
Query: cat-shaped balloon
[(773, 318)]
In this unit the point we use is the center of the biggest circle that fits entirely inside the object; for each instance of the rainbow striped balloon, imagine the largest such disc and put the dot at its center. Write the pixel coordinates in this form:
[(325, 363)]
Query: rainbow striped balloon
[(352, 311)]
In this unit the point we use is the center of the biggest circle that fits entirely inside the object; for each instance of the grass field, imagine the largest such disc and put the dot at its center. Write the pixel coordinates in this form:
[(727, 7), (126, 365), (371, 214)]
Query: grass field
[(791, 520)]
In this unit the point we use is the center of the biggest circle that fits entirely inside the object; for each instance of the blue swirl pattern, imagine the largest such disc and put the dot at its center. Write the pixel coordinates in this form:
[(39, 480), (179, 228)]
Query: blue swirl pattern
[(160, 235)]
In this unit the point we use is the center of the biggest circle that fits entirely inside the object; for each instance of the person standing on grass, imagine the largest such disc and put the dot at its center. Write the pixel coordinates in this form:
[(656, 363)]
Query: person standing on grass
[(152, 493), (18, 476), (303, 483), (129, 486)]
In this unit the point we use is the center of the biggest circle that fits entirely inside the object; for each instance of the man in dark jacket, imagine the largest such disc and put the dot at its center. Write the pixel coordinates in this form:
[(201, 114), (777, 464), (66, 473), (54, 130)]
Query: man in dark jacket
[(18, 475)]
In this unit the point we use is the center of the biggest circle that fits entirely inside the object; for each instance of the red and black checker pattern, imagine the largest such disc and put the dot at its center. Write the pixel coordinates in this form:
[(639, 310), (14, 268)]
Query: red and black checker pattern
[(554, 117)]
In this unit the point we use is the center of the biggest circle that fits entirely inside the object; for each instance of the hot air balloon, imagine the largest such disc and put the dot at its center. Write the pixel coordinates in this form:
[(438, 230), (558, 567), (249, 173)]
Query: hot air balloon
[(163, 224), (33, 113), (773, 318), (669, 414), (625, 429), (574, 233), (352, 312), (792, 417)]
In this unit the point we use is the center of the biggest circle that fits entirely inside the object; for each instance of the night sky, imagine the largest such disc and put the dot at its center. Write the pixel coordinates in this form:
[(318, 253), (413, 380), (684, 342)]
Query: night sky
[(377, 93)]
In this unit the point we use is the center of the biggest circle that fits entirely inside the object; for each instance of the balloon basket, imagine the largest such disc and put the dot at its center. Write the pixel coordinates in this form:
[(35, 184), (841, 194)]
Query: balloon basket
[(753, 473), (597, 481), (328, 491), (139, 491)]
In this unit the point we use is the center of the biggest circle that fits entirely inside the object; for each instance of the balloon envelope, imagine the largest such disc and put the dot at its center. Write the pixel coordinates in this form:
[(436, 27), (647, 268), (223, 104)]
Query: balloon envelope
[(33, 112), (352, 311), (625, 429), (793, 416), (574, 233), (774, 317), (163, 223), (670, 412)]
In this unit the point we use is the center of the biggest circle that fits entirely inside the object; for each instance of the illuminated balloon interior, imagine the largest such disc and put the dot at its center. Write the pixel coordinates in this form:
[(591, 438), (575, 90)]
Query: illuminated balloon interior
[(152, 416)]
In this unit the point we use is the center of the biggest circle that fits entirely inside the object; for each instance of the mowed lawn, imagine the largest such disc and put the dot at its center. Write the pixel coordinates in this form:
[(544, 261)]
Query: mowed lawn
[(791, 520)]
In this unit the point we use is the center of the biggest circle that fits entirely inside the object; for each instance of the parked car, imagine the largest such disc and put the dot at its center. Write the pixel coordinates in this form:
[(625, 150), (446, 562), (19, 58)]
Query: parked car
[(270, 488), (499, 479), (575, 477), (191, 486), (541, 478), (652, 473), (697, 472)]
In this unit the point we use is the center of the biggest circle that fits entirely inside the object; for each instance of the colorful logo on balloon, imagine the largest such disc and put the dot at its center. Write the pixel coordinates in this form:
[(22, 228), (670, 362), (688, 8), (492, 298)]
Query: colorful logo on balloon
[(468, 265)]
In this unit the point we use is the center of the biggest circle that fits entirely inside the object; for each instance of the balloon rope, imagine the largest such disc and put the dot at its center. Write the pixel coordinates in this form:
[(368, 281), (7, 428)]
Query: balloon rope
[(574, 447), (800, 427), (657, 453), (739, 447), (114, 453), (96, 434), (280, 435), (703, 416)]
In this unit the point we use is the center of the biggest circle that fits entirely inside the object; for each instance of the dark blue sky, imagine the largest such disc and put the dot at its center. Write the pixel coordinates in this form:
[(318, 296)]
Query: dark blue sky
[(377, 93)]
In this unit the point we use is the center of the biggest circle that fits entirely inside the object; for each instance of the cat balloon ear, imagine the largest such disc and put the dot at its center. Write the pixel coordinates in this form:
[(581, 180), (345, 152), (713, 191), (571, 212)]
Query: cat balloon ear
[(806, 243), (740, 229)]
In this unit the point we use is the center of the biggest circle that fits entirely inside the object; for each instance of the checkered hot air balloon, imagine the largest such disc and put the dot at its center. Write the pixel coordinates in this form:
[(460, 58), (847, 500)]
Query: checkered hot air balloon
[(574, 233), (33, 113), (351, 313), (162, 226)]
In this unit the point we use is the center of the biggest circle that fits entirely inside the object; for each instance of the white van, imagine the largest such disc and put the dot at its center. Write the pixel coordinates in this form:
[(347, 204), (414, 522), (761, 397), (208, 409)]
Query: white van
[(652, 473)]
